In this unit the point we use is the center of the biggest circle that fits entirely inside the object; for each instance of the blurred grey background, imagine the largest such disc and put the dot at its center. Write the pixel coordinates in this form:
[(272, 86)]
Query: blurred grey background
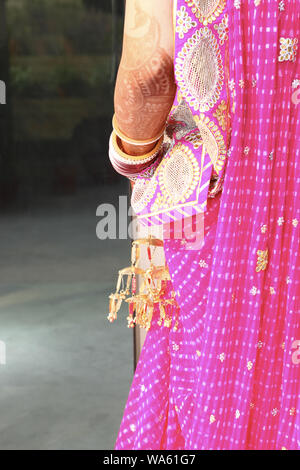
[(68, 370)]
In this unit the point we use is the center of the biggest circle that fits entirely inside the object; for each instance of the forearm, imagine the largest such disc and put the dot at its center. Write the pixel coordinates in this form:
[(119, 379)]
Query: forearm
[(145, 87)]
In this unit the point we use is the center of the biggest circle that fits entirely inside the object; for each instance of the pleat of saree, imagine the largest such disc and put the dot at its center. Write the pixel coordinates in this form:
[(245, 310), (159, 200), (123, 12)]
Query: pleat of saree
[(228, 378)]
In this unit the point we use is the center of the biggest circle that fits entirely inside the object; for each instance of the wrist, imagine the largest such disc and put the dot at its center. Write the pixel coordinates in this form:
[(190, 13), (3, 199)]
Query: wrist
[(137, 150), (135, 147)]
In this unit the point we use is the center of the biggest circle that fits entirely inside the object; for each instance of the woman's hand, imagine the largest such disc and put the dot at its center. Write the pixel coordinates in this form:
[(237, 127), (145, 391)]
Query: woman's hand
[(145, 87)]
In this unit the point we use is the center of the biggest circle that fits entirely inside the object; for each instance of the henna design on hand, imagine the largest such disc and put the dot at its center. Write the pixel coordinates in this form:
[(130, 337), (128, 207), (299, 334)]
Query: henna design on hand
[(146, 86)]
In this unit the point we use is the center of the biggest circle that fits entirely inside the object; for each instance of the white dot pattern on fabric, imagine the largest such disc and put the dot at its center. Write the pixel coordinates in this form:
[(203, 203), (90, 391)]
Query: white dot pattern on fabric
[(230, 381)]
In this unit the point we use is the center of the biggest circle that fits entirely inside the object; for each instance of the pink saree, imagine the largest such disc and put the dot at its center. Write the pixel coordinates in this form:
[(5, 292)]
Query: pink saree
[(228, 378)]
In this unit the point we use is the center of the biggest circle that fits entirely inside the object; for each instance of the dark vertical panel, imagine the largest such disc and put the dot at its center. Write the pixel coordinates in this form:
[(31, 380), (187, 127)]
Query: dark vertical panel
[(61, 57), (8, 183)]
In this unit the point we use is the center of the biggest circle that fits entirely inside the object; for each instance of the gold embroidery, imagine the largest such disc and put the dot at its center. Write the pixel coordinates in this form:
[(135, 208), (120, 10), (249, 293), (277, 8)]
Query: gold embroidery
[(142, 194), (254, 291), (199, 70), (295, 83), (207, 11), (222, 357), (222, 29), (195, 139), (288, 49), (264, 229), (262, 260), (184, 22), (231, 85), (280, 221), (177, 186), (221, 114), (203, 264), (213, 141)]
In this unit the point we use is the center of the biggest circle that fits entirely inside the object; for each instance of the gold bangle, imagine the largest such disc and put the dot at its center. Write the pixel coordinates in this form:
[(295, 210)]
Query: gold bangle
[(136, 159), (128, 140)]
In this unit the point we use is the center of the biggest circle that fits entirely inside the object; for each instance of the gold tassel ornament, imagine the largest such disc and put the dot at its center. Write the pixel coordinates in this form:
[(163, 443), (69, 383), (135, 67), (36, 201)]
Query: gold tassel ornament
[(144, 290)]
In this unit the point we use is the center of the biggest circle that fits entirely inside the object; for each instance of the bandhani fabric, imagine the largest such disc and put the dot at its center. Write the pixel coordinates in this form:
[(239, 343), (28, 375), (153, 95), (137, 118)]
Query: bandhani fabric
[(198, 126), (228, 378)]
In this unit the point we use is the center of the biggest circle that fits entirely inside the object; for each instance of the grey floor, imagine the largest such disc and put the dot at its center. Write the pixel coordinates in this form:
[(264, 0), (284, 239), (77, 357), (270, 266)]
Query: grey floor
[(68, 371)]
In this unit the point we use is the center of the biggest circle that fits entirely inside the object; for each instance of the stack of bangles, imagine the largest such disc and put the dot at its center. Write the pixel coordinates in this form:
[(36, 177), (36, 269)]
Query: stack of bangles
[(128, 165)]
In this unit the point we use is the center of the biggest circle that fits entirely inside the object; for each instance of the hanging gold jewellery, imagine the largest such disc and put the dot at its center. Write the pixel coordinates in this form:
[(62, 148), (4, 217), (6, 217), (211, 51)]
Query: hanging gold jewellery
[(150, 293)]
